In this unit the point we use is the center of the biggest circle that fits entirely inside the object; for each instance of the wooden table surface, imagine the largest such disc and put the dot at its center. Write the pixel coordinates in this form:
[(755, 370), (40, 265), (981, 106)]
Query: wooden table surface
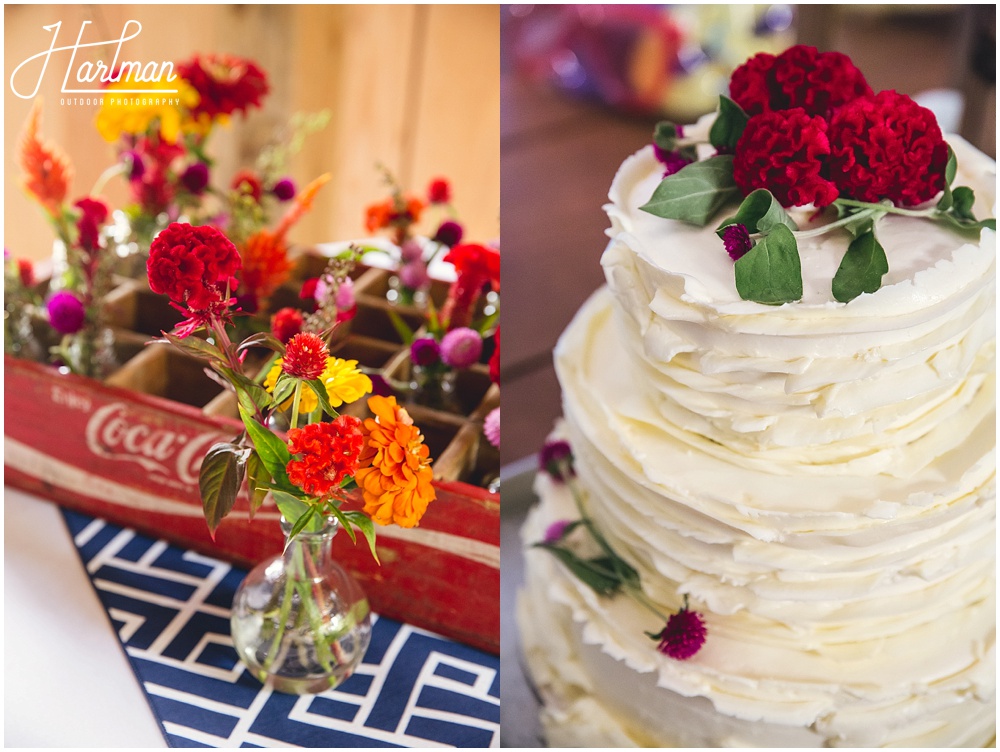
[(557, 158)]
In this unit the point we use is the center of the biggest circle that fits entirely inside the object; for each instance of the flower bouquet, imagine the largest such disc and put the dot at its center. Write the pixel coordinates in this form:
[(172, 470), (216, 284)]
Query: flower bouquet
[(398, 215), (302, 625), (83, 263), (451, 340)]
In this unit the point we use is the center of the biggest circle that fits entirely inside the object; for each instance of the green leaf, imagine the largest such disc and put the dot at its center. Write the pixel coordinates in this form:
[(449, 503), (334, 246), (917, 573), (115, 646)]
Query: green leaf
[(728, 126), (257, 480), (319, 388), (759, 212), (696, 192), (342, 519), (488, 323), (599, 579), (304, 519), (862, 268), (665, 135), (951, 168), (272, 451), (404, 331), (771, 272), (967, 225), (364, 523), (946, 200), (283, 389), (196, 346), (964, 198), (293, 509), (219, 481), (250, 394), (262, 339)]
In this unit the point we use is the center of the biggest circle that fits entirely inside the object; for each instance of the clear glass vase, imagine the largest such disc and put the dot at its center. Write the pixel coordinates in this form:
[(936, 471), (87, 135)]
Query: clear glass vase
[(433, 387), (300, 623)]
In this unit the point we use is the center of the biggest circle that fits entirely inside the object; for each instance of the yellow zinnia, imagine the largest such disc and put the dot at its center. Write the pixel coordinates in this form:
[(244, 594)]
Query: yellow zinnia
[(133, 114), (343, 381)]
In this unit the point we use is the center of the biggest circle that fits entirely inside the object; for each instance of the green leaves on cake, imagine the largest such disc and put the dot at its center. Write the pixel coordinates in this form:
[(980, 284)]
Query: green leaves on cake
[(804, 129), (593, 561)]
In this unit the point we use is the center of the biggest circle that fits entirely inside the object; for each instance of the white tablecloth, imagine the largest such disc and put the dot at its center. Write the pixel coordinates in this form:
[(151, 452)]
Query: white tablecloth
[(67, 682)]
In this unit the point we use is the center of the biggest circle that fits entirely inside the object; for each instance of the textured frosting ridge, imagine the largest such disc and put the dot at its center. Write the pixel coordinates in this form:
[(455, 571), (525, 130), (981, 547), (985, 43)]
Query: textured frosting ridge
[(819, 478)]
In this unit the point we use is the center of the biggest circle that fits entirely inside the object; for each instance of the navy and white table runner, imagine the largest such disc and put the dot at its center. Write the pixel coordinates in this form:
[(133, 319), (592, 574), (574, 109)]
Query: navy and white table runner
[(170, 609)]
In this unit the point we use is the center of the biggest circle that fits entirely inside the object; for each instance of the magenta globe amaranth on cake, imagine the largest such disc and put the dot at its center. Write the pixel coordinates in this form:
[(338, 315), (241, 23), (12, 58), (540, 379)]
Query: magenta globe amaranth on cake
[(813, 477)]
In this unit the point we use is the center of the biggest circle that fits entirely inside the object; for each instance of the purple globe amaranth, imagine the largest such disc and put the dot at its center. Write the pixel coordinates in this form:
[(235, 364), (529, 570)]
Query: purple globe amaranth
[(461, 347), (736, 238), (555, 532), (425, 351), (552, 457), (410, 251), (683, 635), (195, 177), (449, 233), (66, 312), (284, 189)]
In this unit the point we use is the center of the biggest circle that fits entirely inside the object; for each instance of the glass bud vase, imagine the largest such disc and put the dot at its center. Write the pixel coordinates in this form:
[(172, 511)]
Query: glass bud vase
[(300, 623)]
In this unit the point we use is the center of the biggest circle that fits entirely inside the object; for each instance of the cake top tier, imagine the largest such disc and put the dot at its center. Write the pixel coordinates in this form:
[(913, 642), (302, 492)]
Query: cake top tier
[(927, 261)]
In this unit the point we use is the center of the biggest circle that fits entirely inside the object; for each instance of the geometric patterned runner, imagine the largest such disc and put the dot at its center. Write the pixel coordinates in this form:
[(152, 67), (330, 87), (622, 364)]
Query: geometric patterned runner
[(170, 609)]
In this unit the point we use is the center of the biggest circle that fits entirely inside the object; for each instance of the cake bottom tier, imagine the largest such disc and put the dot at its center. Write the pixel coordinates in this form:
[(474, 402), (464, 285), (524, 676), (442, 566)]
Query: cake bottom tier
[(603, 684)]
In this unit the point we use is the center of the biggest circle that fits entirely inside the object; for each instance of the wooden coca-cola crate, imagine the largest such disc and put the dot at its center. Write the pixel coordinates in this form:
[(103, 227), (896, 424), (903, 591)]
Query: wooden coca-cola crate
[(128, 449)]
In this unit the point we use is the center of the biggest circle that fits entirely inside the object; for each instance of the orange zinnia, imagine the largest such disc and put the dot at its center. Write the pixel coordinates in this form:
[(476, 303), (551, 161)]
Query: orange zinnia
[(46, 168), (395, 473)]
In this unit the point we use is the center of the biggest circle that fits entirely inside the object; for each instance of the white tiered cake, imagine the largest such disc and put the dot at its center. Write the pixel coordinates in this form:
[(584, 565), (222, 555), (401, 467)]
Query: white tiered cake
[(818, 478)]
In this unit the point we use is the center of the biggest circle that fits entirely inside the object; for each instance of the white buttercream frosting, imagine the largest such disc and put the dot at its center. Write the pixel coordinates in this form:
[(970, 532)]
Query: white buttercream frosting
[(817, 477)]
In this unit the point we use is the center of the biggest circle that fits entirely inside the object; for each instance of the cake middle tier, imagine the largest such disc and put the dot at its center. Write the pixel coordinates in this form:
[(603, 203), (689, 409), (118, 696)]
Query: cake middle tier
[(779, 542)]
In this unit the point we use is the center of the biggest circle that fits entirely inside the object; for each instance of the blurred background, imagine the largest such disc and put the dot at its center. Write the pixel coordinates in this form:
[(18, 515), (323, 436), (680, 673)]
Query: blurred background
[(583, 86), (404, 86)]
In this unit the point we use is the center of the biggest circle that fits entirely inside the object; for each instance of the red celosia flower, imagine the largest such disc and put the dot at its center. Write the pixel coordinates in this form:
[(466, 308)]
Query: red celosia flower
[(246, 181), (476, 265), (305, 356), (683, 635), (225, 84), (439, 191), (801, 76), (328, 453), (784, 152), (192, 265), (286, 323), (887, 147), (93, 214)]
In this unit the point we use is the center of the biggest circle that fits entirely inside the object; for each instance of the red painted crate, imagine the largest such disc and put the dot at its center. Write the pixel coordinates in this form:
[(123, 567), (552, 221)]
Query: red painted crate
[(131, 455)]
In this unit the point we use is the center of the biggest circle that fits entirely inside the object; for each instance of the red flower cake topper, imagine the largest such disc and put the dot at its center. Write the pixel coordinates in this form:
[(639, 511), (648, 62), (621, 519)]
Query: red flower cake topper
[(801, 76), (803, 128), (887, 147)]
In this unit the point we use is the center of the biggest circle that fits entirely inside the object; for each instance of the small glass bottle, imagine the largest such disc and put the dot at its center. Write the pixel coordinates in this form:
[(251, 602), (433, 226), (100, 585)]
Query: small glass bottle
[(300, 622)]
